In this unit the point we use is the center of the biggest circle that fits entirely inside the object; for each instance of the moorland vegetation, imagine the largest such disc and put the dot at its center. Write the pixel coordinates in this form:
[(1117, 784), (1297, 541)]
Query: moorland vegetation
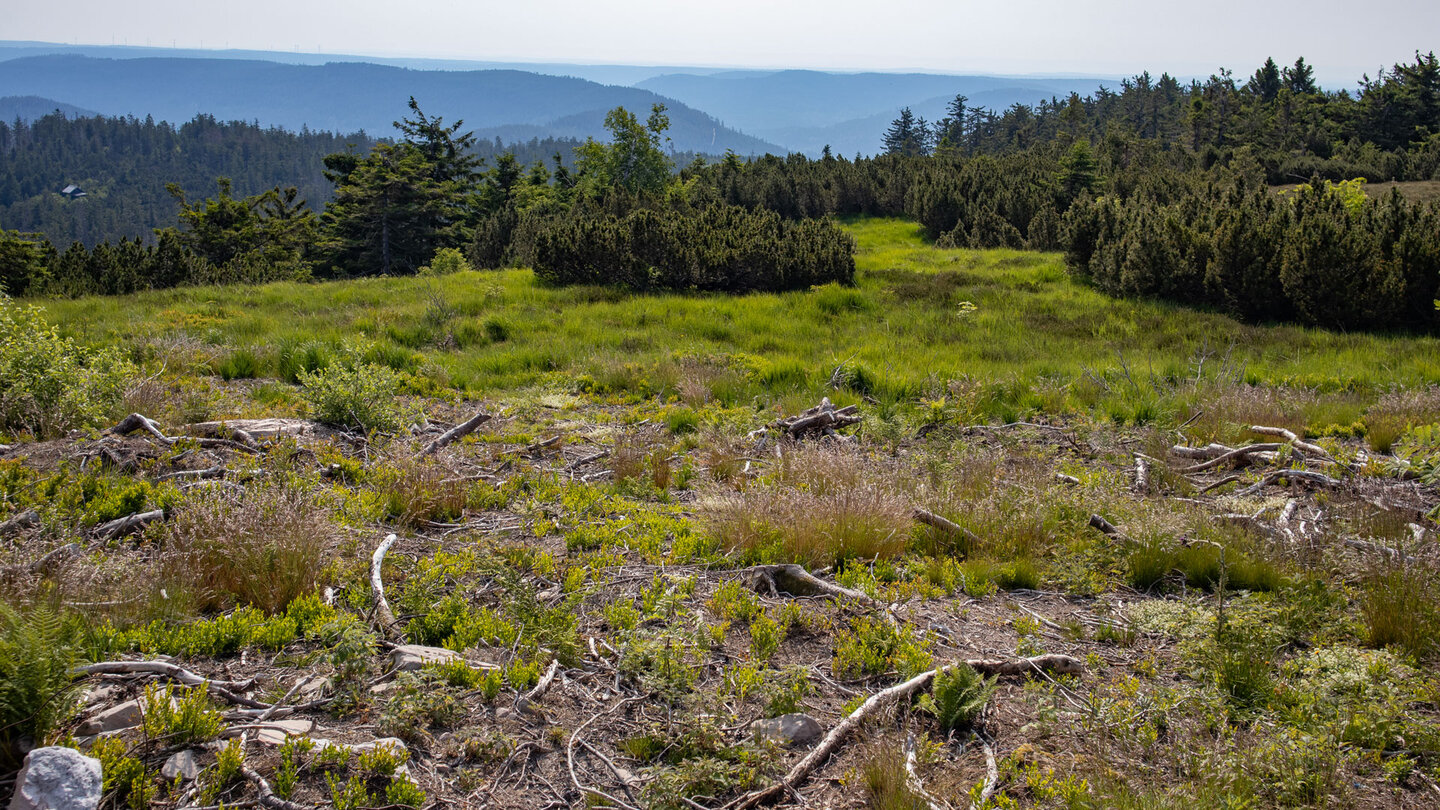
[(955, 453)]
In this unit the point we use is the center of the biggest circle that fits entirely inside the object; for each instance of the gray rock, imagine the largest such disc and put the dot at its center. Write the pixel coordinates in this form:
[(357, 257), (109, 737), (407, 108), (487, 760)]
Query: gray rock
[(126, 715), (57, 778), (788, 729), (182, 766), (411, 657)]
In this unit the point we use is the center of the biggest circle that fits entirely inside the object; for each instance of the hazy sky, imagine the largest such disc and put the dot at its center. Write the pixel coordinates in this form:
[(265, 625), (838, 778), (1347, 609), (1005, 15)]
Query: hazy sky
[(1341, 38)]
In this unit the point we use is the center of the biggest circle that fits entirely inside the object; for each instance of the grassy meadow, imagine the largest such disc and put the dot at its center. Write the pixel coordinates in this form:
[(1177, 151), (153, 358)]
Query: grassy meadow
[(1246, 628), (1015, 332)]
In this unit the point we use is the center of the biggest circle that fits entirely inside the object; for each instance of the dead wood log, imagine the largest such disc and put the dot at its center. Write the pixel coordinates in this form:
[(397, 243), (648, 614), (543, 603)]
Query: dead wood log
[(944, 524), (545, 682), (1050, 662), (25, 520), (1209, 451), (822, 419), (1318, 479), (1106, 528), (912, 779), (1238, 454), (136, 421), (1296, 441), (120, 527), (55, 558), (162, 669), (218, 471), (456, 433), (795, 580), (1142, 475), (832, 741), (992, 776), (384, 617)]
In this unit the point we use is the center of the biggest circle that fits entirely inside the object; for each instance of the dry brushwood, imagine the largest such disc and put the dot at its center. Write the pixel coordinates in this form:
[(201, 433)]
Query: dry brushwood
[(822, 420), (136, 421), (801, 770), (456, 433), (1238, 455)]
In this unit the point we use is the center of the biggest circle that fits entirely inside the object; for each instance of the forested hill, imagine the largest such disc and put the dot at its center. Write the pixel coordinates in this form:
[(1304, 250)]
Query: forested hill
[(28, 108), (124, 164), (349, 97)]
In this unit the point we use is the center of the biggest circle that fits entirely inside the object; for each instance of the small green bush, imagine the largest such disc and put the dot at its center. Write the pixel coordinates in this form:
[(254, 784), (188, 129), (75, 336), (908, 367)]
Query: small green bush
[(362, 396), (446, 262), (48, 384)]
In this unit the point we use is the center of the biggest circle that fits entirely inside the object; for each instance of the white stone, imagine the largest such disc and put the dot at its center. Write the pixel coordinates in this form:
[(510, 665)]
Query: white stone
[(57, 778), (411, 657)]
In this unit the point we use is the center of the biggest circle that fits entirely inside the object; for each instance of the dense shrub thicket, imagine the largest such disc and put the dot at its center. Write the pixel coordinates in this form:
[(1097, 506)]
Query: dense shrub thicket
[(718, 249), (1324, 254)]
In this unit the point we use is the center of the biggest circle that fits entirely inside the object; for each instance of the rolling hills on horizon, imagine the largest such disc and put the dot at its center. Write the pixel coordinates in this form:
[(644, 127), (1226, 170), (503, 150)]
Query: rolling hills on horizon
[(351, 97), (711, 109)]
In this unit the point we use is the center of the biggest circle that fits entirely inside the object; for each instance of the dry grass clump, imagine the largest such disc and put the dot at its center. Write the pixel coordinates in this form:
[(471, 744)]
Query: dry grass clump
[(262, 547), (1226, 408), (637, 456), (418, 491), (1401, 607), (1398, 411), (822, 505)]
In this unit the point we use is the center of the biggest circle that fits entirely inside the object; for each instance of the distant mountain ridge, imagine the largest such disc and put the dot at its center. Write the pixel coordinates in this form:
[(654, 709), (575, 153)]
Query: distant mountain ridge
[(806, 109), (28, 108), (350, 97)]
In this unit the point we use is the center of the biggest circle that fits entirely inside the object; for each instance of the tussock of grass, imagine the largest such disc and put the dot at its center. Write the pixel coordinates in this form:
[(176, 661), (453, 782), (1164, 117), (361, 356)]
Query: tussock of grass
[(263, 547), (822, 506)]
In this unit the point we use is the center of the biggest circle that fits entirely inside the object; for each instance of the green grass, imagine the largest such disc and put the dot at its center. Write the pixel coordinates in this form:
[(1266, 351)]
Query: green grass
[(1035, 340)]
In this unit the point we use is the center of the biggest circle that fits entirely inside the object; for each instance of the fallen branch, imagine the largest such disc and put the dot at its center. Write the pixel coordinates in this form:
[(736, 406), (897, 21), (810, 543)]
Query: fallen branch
[(1288, 435), (802, 769), (55, 558), (795, 580), (383, 615), (1106, 528), (130, 523), (544, 682), (822, 419), (912, 780), (1318, 479), (992, 776), (458, 432), (1142, 475), (136, 421), (570, 757), (1050, 662), (944, 524), (267, 795), (161, 668), (25, 520), (206, 474), (1241, 453)]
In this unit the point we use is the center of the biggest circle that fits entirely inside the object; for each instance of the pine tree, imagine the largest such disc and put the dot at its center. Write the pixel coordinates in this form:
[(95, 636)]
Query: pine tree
[(389, 214), (1266, 81)]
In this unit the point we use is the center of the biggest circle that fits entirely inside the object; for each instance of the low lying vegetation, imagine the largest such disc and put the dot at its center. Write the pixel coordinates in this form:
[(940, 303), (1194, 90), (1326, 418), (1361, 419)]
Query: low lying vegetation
[(1074, 582)]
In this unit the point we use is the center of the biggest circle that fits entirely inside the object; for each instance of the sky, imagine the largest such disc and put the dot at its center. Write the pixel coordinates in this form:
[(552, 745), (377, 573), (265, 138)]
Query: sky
[(1341, 38)]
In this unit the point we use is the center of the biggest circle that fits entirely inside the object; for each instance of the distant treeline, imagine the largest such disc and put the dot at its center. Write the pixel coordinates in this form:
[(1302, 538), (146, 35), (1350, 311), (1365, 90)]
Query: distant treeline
[(124, 165), (1157, 190)]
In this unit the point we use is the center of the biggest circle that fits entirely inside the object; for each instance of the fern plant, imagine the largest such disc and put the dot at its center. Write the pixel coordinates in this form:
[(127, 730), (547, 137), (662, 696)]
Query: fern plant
[(958, 697), (38, 651)]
